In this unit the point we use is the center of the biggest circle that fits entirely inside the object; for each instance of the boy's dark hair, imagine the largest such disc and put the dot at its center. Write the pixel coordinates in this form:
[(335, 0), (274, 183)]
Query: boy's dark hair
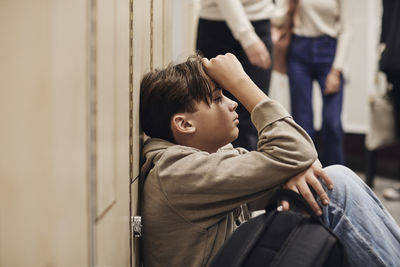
[(174, 89)]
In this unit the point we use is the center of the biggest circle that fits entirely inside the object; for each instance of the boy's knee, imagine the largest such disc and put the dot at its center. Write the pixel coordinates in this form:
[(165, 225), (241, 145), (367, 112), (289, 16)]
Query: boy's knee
[(346, 184), (342, 176), (336, 170)]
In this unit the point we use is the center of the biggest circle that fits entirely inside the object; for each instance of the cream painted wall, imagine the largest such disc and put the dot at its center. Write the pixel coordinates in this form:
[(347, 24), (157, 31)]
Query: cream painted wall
[(112, 225), (184, 27), (43, 164), (141, 62), (67, 159), (151, 48), (70, 138)]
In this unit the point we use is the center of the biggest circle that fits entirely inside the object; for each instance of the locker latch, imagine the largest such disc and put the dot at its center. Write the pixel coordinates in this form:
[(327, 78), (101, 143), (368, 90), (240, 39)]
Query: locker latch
[(136, 223)]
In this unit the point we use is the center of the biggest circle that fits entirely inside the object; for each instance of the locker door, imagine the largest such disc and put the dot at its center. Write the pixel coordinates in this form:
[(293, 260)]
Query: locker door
[(64, 165), (43, 189), (109, 120), (151, 40), (140, 62)]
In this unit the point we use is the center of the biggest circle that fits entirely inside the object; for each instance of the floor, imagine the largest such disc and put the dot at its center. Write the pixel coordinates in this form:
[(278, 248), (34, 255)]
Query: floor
[(380, 183)]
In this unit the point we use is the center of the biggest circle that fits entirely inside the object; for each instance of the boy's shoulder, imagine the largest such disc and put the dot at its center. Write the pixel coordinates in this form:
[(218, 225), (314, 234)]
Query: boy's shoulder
[(164, 153), (154, 149), (156, 145)]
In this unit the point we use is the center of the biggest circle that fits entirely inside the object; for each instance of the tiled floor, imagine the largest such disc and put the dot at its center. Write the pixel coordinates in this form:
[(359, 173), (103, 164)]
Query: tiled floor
[(380, 183)]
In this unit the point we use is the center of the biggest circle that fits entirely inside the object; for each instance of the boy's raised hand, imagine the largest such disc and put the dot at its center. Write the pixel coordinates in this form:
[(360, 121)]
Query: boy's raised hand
[(227, 71)]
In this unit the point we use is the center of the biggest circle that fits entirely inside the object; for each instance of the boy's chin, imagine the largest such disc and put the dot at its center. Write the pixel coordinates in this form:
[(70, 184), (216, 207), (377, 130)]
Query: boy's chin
[(234, 138), (229, 141)]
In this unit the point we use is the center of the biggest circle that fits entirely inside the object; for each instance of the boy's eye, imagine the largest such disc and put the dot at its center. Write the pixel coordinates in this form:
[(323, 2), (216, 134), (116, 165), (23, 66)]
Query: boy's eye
[(218, 95), (218, 99)]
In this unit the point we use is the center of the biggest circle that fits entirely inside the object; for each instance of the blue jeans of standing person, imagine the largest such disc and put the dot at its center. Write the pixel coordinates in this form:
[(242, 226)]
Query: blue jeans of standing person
[(311, 59), (369, 234)]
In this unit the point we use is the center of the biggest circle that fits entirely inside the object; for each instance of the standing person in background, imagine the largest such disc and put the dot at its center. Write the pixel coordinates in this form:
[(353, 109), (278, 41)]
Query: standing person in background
[(390, 59), (390, 65), (241, 27), (319, 48)]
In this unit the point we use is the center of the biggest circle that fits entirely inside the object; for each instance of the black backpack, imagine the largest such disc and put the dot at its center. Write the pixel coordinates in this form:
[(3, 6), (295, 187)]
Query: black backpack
[(285, 239)]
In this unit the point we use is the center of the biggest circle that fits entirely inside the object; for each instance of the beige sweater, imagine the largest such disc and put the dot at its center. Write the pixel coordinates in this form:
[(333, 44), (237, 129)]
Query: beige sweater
[(191, 198)]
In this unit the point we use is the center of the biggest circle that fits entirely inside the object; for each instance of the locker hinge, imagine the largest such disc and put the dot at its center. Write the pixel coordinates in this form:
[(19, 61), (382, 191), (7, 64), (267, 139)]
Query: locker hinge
[(136, 224)]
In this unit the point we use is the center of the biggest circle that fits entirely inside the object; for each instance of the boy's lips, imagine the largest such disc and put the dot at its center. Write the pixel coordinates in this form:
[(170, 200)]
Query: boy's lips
[(236, 120)]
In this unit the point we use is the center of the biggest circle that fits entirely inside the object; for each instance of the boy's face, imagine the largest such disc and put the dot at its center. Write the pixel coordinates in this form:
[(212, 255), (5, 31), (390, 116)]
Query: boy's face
[(216, 125)]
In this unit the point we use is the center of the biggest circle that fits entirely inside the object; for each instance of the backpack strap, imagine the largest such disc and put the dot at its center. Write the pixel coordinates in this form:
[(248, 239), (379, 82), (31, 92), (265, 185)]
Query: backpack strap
[(294, 199)]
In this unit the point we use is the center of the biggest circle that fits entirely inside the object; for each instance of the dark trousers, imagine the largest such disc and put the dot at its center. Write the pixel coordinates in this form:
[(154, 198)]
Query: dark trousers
[(311, 59), (215, 38), (394, 79)]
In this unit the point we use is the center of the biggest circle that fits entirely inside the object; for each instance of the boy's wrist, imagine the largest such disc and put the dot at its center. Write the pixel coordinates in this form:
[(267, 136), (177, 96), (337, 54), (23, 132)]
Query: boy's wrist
[(239, 83), (248, 93)]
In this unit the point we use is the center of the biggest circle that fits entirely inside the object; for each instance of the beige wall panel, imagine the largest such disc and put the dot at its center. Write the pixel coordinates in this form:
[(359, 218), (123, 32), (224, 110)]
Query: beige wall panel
[(141, 64), (167, 31), (162, 32), (113, 227), (158, 33), (106, 71), (191, 10), (43, 214)]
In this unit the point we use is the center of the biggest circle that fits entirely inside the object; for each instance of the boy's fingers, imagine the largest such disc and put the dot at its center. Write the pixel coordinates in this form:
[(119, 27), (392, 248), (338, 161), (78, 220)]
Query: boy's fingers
[(205, 61), (309, 197), (322, 174), (285, 205), (316, 185)]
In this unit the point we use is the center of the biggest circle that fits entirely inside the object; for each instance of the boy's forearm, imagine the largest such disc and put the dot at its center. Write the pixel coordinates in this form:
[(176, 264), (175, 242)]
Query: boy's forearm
[(248, 93)]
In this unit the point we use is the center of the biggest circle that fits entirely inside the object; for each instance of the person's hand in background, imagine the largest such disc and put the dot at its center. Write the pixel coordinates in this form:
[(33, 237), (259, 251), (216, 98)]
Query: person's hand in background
[(258, 55), (332, 83)]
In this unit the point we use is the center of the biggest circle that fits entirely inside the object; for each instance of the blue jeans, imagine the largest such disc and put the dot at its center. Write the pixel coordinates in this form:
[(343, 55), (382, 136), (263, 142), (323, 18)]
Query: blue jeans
[(311, 59), (369, 234)]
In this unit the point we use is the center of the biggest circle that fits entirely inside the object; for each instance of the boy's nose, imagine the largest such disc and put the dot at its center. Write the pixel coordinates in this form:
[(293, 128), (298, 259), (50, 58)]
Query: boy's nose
[(233, 105)]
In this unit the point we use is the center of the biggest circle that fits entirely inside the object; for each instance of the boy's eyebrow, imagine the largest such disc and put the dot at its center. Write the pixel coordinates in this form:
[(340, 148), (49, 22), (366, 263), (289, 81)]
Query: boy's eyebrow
[(217, 88)]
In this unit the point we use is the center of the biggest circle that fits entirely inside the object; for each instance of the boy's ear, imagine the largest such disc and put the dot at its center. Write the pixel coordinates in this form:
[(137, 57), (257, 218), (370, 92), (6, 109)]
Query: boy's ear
[(182, 124)]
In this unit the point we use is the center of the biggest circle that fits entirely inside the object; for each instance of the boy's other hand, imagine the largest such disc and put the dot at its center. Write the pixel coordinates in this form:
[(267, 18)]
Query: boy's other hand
[(301, 184), (225, 70)]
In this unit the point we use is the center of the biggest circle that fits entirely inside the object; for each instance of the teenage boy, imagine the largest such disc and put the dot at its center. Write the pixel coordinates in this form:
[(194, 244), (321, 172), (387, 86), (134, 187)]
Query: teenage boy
[(196, 185)]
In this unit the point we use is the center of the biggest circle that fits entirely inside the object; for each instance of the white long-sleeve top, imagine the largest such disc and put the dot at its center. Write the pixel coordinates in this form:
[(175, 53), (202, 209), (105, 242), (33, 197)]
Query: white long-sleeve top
[(327, 17), (238, 14)]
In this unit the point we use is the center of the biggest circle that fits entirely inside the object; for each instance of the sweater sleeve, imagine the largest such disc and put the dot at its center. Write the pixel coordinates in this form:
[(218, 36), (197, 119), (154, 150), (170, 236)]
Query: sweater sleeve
[(203, 187), (345, 33), (238, 22)]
